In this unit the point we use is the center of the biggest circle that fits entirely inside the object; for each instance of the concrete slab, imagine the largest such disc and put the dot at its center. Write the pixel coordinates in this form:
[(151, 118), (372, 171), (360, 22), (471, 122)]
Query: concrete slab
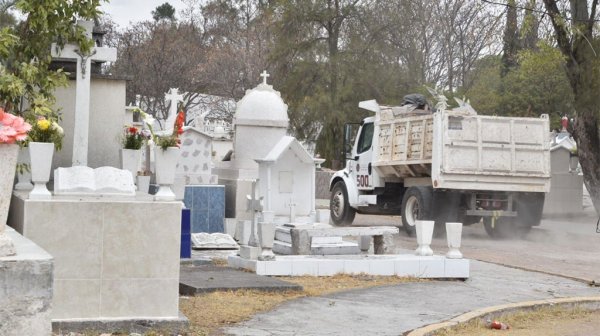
[(399, 265), (174, 326), (204, 279), (25, 289)]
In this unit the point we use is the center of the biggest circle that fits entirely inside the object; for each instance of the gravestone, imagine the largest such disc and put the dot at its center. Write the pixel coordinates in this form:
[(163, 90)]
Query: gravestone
[(566, 184), (82, 97), (106, 181)]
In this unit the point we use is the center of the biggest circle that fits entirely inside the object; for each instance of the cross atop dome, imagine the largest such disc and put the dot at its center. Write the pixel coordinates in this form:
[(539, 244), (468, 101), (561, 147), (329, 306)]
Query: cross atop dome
[(264, 75)]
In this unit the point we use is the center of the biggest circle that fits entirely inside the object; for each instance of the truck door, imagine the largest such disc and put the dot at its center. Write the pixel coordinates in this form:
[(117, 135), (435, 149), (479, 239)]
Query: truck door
[(363, 157)]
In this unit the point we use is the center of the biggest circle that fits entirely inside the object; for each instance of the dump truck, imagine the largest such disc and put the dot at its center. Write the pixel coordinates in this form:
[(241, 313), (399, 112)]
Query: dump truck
[(445, 165)]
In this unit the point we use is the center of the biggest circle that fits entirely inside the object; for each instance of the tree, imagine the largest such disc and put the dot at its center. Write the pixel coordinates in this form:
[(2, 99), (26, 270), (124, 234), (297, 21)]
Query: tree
[(164, 12), (511, 38), (159, 56), (25, 52), (575, 39)]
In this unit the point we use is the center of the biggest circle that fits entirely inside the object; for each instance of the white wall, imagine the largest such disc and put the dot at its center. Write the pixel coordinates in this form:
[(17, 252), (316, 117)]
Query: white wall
[(107, 118)]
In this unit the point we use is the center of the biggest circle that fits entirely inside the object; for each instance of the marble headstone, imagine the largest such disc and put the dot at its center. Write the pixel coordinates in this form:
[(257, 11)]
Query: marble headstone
[(81, 180)]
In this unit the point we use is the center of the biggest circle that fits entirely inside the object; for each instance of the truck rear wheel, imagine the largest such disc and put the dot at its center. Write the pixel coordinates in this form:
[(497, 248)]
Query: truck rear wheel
[(505, 227), (339, 208), (416, 205)]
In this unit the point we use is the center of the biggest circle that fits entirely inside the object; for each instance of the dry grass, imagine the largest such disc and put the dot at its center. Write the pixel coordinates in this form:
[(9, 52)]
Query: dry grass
[(219, 262), (209, 312), (552, 320)]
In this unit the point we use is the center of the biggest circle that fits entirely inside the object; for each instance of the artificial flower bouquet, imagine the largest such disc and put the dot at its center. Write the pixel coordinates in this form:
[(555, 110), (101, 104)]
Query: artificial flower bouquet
[(133, 138), (166, 141), (172, 140), (12, 128), (47, 130)]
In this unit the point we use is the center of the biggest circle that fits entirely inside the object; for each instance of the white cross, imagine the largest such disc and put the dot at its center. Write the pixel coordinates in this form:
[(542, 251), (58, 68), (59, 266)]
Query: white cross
[(82, 88), (264, 75), (292, 206), (174, 98), (253, 205)]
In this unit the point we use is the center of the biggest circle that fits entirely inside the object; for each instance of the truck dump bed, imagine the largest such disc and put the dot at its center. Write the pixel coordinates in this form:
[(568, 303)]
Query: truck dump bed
[(463, 150)]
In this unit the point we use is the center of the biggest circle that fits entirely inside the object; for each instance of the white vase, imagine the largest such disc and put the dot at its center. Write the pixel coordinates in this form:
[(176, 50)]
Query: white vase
[(165, 164), (130, 160), (424, 234), (40, 154), (454, 235), (8, 162), (24, 177), (266, 234), (143, 183)]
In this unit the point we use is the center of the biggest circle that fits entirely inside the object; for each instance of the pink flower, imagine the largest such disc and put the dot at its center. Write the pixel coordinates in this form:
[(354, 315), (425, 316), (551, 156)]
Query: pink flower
[(12, 128)]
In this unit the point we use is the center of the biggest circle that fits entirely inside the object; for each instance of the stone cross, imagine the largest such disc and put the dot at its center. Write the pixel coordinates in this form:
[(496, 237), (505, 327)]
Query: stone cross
[(292, 206), (264, 75), (82, 88), (254, 205), (174, 98)]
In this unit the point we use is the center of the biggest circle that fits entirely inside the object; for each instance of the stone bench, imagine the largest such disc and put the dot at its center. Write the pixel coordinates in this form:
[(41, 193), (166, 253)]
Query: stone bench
[(382, 237)]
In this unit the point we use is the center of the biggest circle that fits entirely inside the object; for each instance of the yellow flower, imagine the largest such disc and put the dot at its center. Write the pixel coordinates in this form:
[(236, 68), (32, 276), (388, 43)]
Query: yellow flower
[(43, 124)]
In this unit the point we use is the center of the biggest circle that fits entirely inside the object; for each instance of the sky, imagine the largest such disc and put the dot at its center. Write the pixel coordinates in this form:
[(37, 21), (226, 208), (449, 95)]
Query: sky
[(124, 11)]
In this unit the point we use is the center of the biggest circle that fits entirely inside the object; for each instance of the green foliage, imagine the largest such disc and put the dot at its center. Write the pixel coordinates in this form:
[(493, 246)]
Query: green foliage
[(25, 52), (165, 142), (538, 85), (164, 12)]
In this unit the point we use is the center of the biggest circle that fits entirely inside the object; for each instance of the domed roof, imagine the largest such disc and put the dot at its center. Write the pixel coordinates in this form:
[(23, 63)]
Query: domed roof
[(262, 106)]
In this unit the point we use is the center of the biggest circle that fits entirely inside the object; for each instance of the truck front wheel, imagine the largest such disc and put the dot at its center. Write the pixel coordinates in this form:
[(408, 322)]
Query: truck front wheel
[(416, 205), (341, 212)]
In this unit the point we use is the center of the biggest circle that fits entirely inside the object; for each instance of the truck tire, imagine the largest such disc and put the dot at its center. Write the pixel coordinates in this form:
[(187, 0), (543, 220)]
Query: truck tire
[(416, 205), (339, 207), (529, 208), (505, 228)]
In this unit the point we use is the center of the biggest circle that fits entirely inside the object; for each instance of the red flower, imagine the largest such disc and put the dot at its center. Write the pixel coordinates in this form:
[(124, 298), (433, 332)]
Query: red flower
[(132, 130)]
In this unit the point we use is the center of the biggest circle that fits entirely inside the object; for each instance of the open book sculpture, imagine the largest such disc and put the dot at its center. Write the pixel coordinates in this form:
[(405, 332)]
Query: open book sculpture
[(103, 181)]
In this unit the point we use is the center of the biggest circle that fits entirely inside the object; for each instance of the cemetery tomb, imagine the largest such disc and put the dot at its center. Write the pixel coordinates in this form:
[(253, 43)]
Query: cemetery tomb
[(260, 121), (82, 97), (119, 256), (287, 182)]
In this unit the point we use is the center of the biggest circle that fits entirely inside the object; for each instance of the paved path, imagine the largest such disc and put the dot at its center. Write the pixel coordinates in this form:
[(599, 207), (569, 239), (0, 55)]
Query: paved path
[(392, 310)]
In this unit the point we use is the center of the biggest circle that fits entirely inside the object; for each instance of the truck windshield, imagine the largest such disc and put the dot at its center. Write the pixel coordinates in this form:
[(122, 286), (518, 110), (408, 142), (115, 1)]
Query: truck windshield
[(366, 138)]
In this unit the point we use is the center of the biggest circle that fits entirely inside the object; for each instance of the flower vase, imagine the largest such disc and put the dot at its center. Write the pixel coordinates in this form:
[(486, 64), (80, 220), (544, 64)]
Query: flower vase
[(165, 161), (424, 230), (266, 234), (40, 154), (130, 160), (24, 175), (143, 183), (8, 162), (454, 235)]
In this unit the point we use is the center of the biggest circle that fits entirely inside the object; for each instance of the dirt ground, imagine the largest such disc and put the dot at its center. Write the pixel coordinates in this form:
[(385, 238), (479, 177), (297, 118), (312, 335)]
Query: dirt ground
[(547, 322)]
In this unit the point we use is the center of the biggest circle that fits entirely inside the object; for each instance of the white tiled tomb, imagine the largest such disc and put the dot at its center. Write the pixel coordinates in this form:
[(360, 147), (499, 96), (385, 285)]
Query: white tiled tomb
[(114, 258)]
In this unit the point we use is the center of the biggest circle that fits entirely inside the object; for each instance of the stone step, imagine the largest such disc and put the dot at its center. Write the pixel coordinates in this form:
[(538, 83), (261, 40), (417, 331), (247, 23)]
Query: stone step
[(283, 234), (343, 248)]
